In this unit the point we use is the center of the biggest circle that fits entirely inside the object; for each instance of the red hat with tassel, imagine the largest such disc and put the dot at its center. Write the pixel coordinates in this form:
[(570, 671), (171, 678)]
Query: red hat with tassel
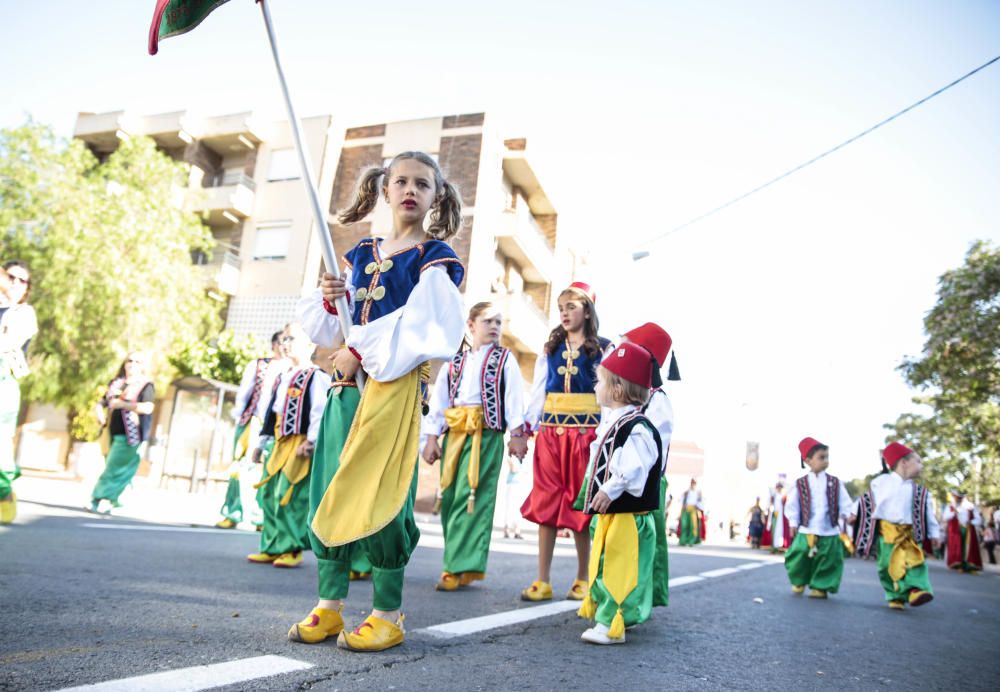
[(893, 452), (583, 289), (630, 362)]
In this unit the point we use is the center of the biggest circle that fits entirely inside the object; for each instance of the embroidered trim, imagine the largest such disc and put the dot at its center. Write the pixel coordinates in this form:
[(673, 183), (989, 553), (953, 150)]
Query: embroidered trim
[(569, 420), (455, 375), (291, 416), (919, 513), (441, 261), (330, 308), (833, 499), (258, 383), (605, 447), (491, 387), (866, 525), (805, 500)]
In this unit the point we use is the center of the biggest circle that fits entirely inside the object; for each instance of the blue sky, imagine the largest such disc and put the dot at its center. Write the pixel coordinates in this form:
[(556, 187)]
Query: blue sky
[(789, 311)]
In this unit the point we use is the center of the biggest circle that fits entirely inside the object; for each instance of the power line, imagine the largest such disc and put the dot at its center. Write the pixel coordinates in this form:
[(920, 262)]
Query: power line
[(641, 254)]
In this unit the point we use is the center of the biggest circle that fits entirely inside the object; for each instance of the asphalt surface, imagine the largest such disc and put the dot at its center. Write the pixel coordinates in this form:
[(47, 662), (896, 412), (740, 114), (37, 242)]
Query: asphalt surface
[(83, 603)]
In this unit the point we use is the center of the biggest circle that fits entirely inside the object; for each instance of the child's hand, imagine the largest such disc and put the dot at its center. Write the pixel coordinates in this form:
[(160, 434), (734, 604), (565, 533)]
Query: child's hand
[(257, 454), (851, 519), (432, 450), (935, 544), (305, 449), (346, 363), (518, 447), (601, 502), (332, 288)]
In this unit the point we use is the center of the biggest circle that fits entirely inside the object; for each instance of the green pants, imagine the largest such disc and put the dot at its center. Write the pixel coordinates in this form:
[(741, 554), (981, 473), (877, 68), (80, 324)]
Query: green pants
[(121, 464), (915, 577), (690, 530), (232, 506), (285, 527), (822, 571), (338, 414), (10, 404), (467, 536), (638, 605), (661, 563)]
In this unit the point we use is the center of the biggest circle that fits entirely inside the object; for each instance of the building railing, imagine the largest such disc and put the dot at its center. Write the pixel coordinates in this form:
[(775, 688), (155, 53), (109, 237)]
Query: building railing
[(226, 178)]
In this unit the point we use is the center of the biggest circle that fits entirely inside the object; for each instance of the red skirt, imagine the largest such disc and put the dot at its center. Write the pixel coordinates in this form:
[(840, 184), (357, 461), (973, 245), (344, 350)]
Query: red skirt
[(559, 467)]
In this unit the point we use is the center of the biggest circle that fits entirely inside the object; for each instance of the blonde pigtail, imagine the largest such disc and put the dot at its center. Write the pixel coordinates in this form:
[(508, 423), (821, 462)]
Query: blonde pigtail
[(366, 197), (446, 214)]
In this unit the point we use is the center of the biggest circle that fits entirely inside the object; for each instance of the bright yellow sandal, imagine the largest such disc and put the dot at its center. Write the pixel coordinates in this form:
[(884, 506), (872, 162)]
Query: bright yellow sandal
[(466, 578), (538, 591), (318, 625), (374, 634), (261, 558), (448, 582), (578, 591), (8, 508), (288, 560)]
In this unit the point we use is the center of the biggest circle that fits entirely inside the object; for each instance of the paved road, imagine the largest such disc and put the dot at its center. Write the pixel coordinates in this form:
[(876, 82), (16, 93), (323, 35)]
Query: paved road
[(90, 599)]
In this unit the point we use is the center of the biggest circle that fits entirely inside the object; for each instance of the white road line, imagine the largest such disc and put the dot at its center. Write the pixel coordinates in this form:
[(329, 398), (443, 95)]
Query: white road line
[(437, 541), (683, 581), (200, 677), (721, 572), (752, 565), (176, 529)]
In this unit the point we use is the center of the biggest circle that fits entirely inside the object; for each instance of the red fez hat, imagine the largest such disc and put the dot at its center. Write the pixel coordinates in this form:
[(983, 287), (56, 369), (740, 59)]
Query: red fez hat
[(894, 452), (583, 289), (654, 339), (630, 362), (807, 444)]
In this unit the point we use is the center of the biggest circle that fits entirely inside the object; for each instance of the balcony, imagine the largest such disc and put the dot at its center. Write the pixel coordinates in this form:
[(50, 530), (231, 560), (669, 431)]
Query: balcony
[(229, 199), (523, 321), (221, 268), (519, 238)]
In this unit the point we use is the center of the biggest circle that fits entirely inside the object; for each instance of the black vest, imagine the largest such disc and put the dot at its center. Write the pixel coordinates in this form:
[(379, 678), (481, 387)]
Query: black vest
[(615, 439)]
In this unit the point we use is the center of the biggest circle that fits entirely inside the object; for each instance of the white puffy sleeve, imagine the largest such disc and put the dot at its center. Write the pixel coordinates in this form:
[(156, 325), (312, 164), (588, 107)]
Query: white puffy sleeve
[(20, 325), (976, 519), (536, 400), (433, 423), (429, 327), (322, 326), (660, 413), (246, 387), (630, 464), (792, 507), (845, 501), (513, 400), (318, 389)]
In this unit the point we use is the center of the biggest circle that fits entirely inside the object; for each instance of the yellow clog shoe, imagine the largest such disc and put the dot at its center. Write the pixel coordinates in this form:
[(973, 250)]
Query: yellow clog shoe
[(467, 578), (798, 588), (374, 634), (919, 598), (8, 508), (359, 576), (896, 605), (447, 582), (226, 524), (817, 593), (288, 560), (538, 591), (261, 558), (578, 591), (317, 626)]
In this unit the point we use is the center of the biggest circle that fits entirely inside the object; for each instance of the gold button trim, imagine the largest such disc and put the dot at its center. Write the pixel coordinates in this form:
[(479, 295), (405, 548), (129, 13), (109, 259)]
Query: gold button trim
[(371, 267)]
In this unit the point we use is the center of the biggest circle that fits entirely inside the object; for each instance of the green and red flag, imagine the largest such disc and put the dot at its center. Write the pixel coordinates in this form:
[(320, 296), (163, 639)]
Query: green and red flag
[(175, 17)]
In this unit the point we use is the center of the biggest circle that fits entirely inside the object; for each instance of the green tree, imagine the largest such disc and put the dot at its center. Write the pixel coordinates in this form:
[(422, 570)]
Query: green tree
[(222, 358), (958, 375), (109, 244)]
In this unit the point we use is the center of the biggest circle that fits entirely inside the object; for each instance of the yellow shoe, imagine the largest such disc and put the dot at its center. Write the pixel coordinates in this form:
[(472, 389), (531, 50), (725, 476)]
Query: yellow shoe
[(467, 578), (919, 598), (317, 626), (896, 605), (288, 559), (374, 634), (538, 591), (448, 582), (258, 528), (817, 593), (798, 588), (578, 591), (261, 558), (8, 508), (359, 576), (226, 524)]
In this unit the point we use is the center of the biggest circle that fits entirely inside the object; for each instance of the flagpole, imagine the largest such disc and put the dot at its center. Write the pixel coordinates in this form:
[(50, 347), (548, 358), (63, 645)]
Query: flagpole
[(326, 243)]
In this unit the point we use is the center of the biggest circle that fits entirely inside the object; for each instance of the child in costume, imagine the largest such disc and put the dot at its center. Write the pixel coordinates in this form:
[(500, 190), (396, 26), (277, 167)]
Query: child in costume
[(126, 408), (475, 399), (963, 521), (291, 425), (660, 412), (257, 380), (691, 527), (778, 530), (622, 488), (814, 509), (406, 311), (904, 519), (564, 411)]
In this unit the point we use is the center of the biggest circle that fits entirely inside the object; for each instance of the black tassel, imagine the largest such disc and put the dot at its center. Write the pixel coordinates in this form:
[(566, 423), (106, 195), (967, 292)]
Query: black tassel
[(657, 378), (674, 375)]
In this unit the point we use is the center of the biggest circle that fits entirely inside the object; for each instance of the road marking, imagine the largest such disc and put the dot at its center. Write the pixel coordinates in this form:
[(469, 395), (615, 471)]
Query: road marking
[(200, 677), (176, 529), (461, 628), (437, 541)]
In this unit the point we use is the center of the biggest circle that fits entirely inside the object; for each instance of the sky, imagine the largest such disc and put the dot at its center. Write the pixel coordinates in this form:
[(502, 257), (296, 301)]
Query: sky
[(790, 311)]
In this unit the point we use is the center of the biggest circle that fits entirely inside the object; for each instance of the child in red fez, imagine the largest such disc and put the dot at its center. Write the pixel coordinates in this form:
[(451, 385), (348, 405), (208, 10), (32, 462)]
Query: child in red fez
[(622, 488), (815, 506)]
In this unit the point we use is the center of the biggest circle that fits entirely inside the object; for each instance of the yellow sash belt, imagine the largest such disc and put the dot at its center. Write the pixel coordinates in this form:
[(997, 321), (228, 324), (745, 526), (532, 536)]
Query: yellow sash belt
[(905, 551), (462, 422), (617, 539), (377, 463), (692, 511)]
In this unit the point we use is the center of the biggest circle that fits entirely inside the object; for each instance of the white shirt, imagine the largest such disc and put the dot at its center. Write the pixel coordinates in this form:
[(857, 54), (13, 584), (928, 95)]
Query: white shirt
[(996, 518), (660, 413), (966, 512), (692, 497), (629, 465), (819, 520), (470, 392), (894, 502), (319, 385)]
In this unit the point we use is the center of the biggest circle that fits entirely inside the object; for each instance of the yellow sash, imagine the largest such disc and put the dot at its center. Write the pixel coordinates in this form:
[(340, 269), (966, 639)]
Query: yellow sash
[(462, 422), (377, 463), (692, 511), (250, 430), (284, 460), (905, 551), (617, 539)]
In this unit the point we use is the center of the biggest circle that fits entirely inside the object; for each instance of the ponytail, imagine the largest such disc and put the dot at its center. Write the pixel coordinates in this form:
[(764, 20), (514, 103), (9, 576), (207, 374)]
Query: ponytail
[(366, 196), (446, 214)]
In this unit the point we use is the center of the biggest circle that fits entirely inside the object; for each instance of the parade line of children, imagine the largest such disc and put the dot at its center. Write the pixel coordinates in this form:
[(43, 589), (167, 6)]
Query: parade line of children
[(339, 461)]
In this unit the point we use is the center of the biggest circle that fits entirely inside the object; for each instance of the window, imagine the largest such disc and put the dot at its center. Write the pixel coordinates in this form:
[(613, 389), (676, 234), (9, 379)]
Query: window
[(284, 165), (271, 242)]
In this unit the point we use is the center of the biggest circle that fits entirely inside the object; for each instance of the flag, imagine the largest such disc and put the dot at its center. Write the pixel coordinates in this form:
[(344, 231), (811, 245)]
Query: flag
[(175, 17)]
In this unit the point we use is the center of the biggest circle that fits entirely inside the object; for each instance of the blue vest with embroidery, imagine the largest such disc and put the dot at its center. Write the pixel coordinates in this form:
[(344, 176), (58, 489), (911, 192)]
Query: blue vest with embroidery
[(383, 284), (573, 371)]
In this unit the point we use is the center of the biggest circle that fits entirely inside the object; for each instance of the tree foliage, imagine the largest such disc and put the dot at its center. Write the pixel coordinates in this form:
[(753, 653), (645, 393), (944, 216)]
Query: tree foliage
[(958, 375), (109, 245), (221, 359)]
